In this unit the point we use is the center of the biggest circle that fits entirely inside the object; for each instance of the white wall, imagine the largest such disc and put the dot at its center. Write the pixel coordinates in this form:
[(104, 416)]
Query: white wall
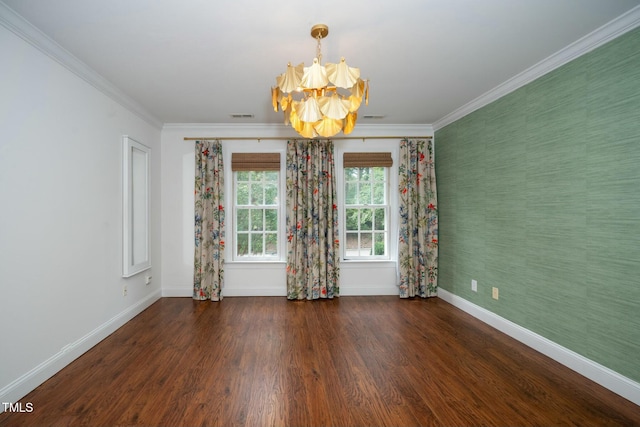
[(241, 278), (61, 217)]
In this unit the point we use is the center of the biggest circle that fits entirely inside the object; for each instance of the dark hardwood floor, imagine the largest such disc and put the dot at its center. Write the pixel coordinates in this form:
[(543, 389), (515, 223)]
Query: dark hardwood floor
[(352, 361)]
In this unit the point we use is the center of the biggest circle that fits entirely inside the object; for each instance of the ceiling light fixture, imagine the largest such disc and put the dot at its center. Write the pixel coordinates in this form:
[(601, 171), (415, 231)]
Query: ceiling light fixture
[(321, 109)]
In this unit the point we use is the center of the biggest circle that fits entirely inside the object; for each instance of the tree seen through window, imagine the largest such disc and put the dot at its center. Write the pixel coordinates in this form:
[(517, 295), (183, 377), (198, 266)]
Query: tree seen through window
[(256, 214), (366, 212)]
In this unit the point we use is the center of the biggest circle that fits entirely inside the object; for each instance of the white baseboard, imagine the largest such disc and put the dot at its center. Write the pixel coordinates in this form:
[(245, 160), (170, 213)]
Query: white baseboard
[(599, 374), (272, 291), (363, 290), (255, 292), (28, 382), (177, 292), (182, 292)]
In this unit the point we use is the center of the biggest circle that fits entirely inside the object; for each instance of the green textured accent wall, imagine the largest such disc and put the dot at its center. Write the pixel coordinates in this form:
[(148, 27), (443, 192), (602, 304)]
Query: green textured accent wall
[(539, 196)]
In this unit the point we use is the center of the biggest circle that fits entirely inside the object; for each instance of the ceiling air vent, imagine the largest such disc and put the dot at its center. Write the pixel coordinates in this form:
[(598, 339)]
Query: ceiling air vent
[(373, 116), (242, 116)]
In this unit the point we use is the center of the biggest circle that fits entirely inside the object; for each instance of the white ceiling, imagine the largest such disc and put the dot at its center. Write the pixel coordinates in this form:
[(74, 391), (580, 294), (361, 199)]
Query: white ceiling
[(199, 61)]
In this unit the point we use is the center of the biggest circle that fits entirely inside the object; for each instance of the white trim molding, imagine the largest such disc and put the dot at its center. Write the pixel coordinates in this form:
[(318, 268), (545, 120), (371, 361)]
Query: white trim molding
[(32, 35), (28, 382), (266, 130), (179, 292), (281, 291), (597, 373), (617, 27)]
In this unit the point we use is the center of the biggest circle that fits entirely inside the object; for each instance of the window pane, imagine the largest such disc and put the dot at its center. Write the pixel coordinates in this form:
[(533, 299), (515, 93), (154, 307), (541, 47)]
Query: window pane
[(271, 219), (270, 194), (351, 193), (366, 219), (257, 198), (242, 193), (379, 222), (243, 244), (365, 174), (378, 193), (378, 245), (256, 244), (350, 174), (352, 244), (366, 241), (352, 219), (256, 220), (271, 247), (242, 222), (378, 174), (271, 176), (365, 193), (243, 176), (256, 175)]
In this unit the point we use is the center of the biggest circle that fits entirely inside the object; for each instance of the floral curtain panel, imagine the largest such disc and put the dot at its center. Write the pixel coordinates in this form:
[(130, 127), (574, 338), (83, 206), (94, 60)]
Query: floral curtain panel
[(209, 222), (418, 230), (312, 221)]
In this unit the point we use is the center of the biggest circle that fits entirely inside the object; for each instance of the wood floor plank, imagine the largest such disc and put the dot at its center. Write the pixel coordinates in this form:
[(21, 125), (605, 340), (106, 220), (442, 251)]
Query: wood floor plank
[(351, 361)]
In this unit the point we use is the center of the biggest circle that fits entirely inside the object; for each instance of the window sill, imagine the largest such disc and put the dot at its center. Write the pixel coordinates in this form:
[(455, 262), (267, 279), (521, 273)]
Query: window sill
[(263, 264)]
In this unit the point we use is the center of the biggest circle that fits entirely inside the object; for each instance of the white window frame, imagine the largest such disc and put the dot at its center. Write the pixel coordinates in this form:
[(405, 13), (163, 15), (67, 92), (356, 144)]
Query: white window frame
[(386, 206), (379, 145), (252, 146), (263, 232)]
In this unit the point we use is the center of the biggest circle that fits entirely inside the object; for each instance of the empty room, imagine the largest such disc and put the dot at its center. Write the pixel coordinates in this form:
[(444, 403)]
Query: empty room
[(242, 213)]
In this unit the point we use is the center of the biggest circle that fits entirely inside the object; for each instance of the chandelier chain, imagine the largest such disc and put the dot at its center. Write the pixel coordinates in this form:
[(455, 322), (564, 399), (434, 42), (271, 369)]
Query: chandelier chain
[(319, 49)]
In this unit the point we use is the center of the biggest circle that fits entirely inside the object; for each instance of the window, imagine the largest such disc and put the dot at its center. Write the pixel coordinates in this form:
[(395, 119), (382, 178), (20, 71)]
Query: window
[(366, 212), (256, 208)]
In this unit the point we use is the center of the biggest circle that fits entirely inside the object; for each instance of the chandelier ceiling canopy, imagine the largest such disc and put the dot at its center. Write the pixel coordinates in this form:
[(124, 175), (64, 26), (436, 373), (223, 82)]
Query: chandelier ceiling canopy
[(320, 100)]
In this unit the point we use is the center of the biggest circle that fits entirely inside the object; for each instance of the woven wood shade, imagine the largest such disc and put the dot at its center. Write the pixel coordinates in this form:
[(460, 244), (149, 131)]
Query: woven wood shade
[(255, 161), (366, 160)]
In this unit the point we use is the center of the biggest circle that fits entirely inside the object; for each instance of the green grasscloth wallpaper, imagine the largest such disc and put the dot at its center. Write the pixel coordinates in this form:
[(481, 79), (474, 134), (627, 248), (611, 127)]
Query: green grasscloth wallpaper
[(539, 196)]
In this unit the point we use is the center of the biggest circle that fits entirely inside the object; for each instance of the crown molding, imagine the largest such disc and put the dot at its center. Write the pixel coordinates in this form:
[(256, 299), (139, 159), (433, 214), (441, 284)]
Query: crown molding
[(267, 130), (613, 29), (32, 35)]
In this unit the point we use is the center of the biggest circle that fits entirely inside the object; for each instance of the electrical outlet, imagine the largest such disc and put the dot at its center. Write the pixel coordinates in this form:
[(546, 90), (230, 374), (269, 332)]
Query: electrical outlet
[(494, 293), (474, 285), (147, 280), (124, 291)]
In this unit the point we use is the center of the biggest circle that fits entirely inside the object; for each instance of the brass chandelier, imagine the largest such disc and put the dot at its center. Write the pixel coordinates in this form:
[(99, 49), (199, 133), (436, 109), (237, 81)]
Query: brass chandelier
[(327, 97)]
